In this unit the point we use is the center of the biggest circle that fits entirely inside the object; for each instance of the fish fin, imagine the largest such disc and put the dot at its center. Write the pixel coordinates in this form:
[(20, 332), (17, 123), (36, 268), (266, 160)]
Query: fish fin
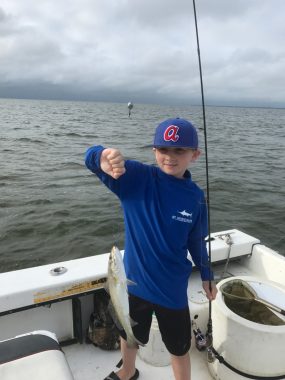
[(131, 283), (140, 343), (134, 342), (132, 322)]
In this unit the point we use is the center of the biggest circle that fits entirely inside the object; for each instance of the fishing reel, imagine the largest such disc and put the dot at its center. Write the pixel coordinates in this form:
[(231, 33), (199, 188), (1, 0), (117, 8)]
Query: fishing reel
[(201, 342)]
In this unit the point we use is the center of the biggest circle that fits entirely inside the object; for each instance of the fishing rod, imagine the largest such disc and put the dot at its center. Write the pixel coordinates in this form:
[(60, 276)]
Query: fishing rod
[(212, 354), (209, 327)]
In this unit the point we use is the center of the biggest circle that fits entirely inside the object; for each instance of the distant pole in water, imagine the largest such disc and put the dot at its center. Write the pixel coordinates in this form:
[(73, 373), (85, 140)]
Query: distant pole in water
[(130, 107)]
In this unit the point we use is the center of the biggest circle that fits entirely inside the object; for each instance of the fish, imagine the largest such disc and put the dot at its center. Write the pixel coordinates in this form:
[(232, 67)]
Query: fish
[(117, 288)]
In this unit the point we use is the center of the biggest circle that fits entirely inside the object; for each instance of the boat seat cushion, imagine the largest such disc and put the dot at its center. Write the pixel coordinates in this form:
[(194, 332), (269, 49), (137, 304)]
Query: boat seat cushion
[(32, 356)]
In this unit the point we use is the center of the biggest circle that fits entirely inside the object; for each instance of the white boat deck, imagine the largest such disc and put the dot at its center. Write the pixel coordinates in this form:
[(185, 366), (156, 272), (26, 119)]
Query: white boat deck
[(88, 362), (33, 299)]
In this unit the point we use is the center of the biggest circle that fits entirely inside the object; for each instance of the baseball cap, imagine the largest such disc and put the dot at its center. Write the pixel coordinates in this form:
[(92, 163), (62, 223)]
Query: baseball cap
[(176, 133)]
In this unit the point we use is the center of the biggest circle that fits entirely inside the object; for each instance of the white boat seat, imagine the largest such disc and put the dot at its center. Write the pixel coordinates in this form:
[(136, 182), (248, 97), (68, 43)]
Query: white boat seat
[(35, 355)]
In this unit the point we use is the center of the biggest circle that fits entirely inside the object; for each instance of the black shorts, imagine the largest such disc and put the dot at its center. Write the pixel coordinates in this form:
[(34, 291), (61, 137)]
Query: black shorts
[(174, 324)]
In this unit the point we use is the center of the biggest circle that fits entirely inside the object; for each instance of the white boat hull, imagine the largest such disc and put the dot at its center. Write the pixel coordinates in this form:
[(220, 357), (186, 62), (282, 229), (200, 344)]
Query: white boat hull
[(35, 298)]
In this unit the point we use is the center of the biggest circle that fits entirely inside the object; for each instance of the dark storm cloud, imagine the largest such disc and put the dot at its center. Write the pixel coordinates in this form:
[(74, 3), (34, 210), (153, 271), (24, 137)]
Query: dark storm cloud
[(118, 48)]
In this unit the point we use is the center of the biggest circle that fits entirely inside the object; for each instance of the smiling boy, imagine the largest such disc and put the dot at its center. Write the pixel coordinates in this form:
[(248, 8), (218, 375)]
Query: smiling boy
[(165, 216)]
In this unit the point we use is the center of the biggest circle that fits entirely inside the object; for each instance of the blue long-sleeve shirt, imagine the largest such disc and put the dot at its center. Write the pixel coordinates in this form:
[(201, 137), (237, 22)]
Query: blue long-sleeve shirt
[(164, 217)]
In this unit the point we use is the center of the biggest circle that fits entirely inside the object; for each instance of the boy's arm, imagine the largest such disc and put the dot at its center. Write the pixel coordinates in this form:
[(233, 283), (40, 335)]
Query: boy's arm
[(211, 291), (200, 257), (198, 250), (120, 176), (123, 178), (107, 160), (112, 162)]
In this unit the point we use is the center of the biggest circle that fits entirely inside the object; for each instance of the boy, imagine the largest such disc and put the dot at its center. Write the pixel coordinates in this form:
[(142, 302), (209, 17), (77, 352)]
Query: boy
[(165, 215)]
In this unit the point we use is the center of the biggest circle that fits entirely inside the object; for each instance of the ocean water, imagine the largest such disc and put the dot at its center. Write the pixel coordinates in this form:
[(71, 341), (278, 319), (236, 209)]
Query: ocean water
[(53, 209)]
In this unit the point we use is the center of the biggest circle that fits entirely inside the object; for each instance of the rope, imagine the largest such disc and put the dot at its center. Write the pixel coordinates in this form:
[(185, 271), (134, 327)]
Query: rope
[(244, 374), (229, 242)]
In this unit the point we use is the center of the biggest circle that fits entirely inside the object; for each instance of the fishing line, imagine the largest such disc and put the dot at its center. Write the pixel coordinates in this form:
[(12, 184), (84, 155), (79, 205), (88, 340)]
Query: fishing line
[(117, 227), (209, 332)]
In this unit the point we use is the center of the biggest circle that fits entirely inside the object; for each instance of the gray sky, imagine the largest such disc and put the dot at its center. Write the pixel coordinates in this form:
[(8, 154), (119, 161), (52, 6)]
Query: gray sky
[(144, 50)]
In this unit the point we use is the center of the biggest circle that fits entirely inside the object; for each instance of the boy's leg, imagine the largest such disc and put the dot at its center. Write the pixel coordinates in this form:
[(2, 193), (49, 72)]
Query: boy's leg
[(129, 359), (141, 314), (181, 367), (175, 328)]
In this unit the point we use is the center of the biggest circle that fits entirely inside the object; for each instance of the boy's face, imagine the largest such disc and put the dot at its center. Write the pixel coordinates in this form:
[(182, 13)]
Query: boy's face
[(174, 161)]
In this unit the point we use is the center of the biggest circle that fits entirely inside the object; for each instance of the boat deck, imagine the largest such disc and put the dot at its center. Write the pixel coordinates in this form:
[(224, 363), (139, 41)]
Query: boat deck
[(88, 362)]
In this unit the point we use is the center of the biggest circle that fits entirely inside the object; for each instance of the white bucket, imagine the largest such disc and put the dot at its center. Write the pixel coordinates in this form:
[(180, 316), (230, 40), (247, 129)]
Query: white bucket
[(155, 352), (253, 348)]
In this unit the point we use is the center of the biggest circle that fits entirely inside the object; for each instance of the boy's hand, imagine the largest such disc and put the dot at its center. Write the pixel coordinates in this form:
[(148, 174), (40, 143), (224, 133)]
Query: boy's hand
[(211, 294), (112, 162)]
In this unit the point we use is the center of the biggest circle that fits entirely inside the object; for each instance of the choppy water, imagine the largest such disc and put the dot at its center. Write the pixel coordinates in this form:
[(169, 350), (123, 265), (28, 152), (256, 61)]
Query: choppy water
[(52, 208)]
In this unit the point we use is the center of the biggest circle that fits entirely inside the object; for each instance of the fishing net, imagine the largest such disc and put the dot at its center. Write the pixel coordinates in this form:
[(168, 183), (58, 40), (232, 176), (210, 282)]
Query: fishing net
[(239, 298)]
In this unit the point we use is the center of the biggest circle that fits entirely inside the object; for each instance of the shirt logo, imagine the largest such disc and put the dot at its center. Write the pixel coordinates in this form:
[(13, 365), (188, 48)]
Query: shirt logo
[(185, 213), (186, 217), (171, 133)]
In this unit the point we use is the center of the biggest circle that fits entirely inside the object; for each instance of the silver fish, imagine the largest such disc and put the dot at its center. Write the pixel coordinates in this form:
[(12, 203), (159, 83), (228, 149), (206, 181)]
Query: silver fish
[(117, 287)]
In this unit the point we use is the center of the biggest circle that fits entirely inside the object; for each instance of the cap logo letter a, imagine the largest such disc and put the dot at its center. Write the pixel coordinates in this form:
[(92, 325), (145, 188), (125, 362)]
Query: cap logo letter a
[(171, 133)]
